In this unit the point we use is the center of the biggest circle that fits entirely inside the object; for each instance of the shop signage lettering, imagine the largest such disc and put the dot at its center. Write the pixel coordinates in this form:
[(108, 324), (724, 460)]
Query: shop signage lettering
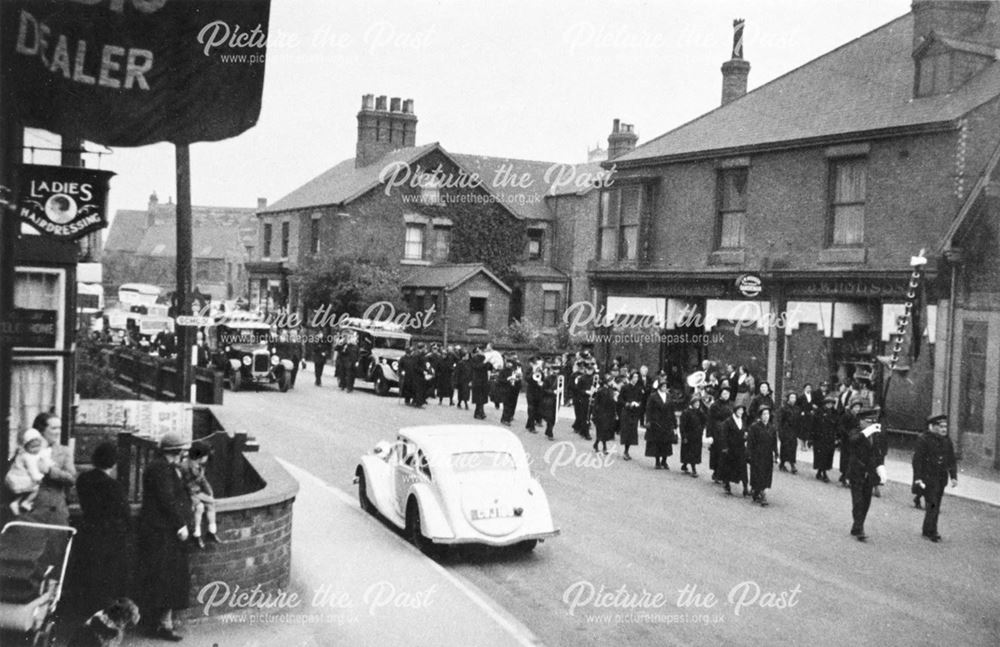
[(29, 329), (61, 201), (749, 285), (134, 72), (851, 288)]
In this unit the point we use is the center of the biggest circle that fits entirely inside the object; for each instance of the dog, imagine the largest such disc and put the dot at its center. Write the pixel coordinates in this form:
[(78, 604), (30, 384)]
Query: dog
[(106, 628)]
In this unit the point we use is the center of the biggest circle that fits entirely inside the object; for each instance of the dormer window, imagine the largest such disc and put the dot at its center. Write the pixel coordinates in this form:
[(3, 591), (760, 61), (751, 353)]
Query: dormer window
[(945, 64)]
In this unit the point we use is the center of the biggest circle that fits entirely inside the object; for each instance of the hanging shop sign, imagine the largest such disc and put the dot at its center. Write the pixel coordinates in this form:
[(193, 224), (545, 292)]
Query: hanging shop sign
[(749, 285), (29, 328), (62, 201), (136, 72)]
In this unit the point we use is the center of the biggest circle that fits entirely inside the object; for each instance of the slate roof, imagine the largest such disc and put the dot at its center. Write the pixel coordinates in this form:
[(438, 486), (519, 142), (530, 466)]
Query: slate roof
[(126, 231), (538, 271), (217, 232), (448, 276), (863, 86), (344, 182)]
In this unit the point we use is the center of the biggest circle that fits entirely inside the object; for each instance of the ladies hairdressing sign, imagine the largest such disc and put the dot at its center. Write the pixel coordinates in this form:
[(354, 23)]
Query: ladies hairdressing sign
[(135, 72), (62, 202)]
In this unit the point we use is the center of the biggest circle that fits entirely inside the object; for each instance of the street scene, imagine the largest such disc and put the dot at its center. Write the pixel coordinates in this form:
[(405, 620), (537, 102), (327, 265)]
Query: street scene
[(460, 324)]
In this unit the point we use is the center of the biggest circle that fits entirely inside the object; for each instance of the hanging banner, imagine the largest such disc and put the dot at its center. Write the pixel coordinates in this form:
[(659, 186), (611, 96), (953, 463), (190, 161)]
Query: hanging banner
[(135, 72), (62, 201)]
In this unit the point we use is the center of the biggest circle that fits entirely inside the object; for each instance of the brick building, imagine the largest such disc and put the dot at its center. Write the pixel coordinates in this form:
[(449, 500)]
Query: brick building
[(420, 207), (141, 248), (785, 220)]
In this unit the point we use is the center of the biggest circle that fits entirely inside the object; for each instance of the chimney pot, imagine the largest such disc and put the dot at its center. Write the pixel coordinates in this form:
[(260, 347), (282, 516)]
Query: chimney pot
[(380, 102), (261, 203), (615, 125), (736, 70), (408, 106), (621, 140), (394, 104), (367, 101)]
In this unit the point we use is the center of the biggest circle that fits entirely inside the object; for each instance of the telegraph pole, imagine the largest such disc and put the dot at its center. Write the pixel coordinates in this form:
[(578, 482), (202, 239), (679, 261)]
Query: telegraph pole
[(184, 335)]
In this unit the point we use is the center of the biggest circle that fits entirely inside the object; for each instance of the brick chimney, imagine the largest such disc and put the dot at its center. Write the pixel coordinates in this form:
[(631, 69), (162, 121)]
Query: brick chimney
[(261, 204), (154, 200), (621, 140), (383, 126), (947, 17), (735, 71)]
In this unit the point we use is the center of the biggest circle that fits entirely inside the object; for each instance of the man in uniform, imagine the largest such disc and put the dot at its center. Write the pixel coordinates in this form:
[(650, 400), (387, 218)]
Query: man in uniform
[(933, 463), (547, 401), (865, 468), (533, 392), (582, 389)]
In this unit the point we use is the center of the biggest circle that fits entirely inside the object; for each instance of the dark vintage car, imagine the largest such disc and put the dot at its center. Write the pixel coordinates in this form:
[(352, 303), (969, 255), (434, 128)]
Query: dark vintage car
[(379, 348), (249, 356)]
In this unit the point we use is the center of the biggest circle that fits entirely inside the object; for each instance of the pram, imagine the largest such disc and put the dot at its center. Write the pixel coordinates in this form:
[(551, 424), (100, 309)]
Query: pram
[(33, 560)]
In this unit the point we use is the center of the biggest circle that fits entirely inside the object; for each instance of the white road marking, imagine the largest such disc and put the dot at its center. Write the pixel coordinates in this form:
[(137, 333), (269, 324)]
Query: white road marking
[(517, 631)]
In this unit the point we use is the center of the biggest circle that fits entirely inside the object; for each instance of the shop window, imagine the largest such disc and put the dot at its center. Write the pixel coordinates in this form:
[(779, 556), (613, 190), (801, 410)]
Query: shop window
[(285, 238), (442, 243), (34, 389), (42, 289), (535, 238), (972, 392), (550, 308), (413, 249), (477, 312), (267, 240), (732, 200), (847, 201)]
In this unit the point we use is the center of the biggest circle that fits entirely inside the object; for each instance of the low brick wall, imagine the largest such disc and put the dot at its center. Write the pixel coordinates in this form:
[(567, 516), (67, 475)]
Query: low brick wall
[(257, 553)]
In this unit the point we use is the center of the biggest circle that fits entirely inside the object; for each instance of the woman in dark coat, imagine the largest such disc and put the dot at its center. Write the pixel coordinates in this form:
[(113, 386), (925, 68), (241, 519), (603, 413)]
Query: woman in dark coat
[(509, 383), (718, 413), (809, 402), (445, 370), (463, 379), (692, 429), (790, 429), (480, 383), (50, 504), (163, 577), (103, 550), (826, 424), (660, 426), (732, 453), (605, 415), (632, 406), (762, 449), (763, 397)]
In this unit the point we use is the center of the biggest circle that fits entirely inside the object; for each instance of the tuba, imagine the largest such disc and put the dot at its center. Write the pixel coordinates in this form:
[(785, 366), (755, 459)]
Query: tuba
[(696, 380)]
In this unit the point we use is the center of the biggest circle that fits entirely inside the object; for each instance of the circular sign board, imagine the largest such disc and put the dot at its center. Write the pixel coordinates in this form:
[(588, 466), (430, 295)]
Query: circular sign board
[(749, 285)]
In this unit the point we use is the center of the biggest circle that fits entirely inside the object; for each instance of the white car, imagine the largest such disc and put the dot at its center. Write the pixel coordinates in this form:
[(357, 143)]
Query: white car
[(456, 484)]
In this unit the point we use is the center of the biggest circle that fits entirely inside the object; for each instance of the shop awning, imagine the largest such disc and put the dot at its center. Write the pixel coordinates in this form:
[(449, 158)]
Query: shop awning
[(652, 307), (748, 312)]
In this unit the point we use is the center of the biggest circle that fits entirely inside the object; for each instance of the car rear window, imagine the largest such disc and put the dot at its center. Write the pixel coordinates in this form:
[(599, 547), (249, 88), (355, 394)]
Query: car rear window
[(482, 462), (394, 343)]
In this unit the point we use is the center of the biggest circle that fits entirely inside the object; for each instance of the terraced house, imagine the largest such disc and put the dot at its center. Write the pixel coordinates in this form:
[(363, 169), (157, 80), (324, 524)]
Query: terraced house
[(473, 236), (786, 220)]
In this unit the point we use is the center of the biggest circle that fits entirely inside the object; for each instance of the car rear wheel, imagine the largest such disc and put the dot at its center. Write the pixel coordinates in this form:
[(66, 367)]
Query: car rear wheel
[(381, 385), (525, 546), (236, 381), (415, 531), (363, 499)]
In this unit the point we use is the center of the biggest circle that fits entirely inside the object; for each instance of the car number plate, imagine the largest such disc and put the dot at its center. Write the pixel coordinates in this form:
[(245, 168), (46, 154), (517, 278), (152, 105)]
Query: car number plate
[(493, 512)]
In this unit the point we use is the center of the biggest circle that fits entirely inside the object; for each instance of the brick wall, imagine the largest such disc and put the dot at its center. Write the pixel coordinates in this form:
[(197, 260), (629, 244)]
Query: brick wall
[(575, 240), (497, 308)]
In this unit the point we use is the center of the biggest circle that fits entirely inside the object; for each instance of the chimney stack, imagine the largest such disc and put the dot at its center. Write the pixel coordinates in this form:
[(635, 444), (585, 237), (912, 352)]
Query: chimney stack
[(736, 70), (261, 204), (947, 17), (621, 140), (383, 126), (154, 200)]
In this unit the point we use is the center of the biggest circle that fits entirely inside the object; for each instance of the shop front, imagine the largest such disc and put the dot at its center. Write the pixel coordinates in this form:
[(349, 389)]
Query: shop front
[(269, 286)]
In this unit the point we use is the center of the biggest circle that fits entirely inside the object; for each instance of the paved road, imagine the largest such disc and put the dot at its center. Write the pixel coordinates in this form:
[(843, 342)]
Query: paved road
[(634, 539)]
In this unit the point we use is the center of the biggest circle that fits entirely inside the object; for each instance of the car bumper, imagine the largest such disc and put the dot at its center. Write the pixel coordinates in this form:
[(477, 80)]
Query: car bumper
[(488, 541)]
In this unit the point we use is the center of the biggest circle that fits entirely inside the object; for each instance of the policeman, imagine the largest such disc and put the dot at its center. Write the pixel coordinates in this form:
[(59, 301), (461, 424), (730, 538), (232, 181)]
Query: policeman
[(933, 463), (866, 467)]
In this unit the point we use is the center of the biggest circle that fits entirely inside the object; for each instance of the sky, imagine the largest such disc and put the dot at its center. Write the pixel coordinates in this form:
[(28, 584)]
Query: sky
[(521, 79)]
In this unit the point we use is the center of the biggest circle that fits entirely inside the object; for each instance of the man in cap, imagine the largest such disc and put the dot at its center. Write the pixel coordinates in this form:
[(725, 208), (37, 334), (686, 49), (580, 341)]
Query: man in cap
[(933, 463), (848, 420), (164, 577), (865, 469)]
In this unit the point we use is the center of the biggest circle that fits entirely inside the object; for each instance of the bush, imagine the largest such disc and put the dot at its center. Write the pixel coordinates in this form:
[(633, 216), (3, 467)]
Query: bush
[(94, 378)]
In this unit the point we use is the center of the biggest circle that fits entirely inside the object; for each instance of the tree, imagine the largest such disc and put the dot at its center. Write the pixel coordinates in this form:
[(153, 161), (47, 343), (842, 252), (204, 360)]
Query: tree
[(348, 285)]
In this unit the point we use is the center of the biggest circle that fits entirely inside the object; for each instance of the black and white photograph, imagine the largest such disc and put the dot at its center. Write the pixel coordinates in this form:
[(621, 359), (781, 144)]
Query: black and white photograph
[(527, 324)]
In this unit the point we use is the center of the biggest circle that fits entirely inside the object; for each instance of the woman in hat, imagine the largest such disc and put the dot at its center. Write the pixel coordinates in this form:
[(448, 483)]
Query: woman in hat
[(761, 398), (718, 413), (660, 426), (605, 414), (732, 452), (692, 429), (789, 431), (762, 449), (825, 427), (163, 575), (631, 398)]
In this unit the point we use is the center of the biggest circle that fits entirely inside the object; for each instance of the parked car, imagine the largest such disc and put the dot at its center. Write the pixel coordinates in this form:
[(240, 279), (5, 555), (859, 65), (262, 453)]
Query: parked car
[(248, 356), (456, 484), (380, 345)]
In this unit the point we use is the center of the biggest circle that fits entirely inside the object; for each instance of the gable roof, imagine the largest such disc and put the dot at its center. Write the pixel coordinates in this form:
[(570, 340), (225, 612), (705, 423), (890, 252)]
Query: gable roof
[(539, 271), (448, 276), (864, 86), (134, 231), (126, 231), (967, 214), (206, 242), (345, 182)]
